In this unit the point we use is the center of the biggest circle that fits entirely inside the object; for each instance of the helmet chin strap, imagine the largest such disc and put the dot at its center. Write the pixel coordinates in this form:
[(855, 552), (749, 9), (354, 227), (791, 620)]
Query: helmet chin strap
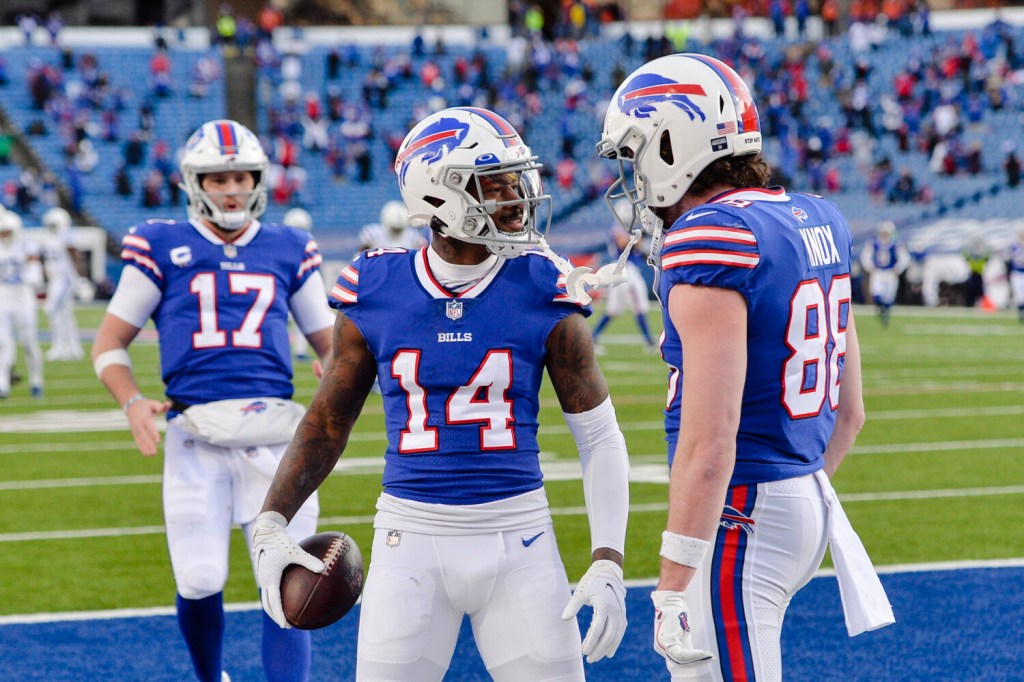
[(232, 220), (579, 278), (654, 226)]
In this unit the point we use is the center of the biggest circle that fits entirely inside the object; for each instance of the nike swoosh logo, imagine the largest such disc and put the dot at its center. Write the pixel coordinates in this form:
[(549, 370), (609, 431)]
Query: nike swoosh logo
[(698, 215), (529, 541)]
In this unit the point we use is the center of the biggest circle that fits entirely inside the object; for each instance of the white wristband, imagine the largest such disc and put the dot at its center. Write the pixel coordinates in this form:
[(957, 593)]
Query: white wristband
[(682, 549), (131, 401), (116, 356)]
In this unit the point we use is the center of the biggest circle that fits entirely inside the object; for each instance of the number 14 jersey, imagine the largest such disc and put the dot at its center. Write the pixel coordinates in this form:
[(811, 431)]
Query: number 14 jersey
[(459, 374)]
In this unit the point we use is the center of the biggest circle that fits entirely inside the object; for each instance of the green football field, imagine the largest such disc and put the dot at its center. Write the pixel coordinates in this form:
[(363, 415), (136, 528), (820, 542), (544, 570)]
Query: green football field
[(937, 474)]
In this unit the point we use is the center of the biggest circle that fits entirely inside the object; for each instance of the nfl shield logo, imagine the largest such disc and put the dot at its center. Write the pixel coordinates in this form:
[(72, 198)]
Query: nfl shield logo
[(230, 250), (453, 310)]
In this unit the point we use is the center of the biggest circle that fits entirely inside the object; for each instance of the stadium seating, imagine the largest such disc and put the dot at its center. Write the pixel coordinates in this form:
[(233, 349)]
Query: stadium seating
[(341, 206)]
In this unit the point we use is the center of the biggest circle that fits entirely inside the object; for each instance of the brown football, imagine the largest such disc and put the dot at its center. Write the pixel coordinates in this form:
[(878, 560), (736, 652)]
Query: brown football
[(315, 600)]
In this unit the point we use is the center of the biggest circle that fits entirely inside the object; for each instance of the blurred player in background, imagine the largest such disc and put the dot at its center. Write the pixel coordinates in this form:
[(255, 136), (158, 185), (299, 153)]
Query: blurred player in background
[(299, 218), (58, 252), (630, 296), (459, 334), (21, 276), (1015, 266), (393, 230), (759, 335), (884, 258), (219, 289)]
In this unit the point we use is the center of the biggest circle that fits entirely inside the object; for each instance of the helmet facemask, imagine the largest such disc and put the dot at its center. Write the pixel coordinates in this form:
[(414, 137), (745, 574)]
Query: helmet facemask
[(449, 159), (485, 218), (224, 147), (205, 205)]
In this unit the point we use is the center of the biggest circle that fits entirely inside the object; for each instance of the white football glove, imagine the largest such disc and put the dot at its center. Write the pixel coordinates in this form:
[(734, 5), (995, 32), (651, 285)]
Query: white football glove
[(601, 587), (672, 638), (272, 551)]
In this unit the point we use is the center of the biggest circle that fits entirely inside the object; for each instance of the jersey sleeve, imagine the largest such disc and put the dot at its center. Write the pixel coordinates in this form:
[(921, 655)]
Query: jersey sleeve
[(709, 247), (550, 283), (137, 252), (311, 258), (345, 293)]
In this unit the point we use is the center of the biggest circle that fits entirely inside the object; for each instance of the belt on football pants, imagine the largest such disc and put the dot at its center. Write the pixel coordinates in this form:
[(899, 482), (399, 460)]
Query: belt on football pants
[(178, 406)]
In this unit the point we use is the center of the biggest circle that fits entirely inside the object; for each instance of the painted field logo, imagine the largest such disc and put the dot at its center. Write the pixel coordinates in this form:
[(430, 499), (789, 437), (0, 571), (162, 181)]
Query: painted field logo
[(733, 518)]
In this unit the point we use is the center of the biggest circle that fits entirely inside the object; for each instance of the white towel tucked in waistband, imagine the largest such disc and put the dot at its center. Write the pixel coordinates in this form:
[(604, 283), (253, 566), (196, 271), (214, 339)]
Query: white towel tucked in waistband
[(865, 605)]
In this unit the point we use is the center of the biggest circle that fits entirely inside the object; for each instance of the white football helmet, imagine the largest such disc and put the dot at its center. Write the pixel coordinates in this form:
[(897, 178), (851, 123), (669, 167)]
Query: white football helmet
[(11, 227), (670, 119), (886, 230), (220, 146), (300, 218), (449, 150), (394, 217), (57, 221)]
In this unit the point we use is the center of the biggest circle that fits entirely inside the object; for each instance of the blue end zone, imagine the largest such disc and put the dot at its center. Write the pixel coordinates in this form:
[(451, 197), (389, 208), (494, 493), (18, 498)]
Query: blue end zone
[(953, 625)]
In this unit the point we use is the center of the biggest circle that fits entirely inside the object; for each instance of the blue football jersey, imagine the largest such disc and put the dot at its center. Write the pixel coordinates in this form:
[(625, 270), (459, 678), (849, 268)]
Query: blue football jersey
[(460, 375), (884, 255), (789, 256), (1017, 258), (223, 314)]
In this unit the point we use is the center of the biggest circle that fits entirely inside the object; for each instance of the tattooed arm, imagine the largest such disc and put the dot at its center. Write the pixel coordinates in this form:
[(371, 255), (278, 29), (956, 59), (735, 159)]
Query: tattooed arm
[(573, 368), (323, 433)]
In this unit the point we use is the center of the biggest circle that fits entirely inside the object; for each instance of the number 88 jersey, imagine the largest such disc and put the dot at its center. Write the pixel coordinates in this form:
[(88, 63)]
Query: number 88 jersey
[(789, 256)]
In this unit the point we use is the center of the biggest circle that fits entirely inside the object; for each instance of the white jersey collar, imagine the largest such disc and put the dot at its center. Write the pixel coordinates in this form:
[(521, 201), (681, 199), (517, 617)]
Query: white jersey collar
[(768, 194), (435, 274)]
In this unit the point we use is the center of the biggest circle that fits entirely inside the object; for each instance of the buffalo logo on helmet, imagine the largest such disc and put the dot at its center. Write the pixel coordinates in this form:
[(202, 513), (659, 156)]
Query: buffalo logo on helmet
[(431, 144), (639, 96), (733, 518)]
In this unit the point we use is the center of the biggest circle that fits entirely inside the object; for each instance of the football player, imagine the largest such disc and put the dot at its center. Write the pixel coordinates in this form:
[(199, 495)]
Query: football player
[(459, 334), (630, 296), (1016, 268), (884, 258), (392, 230), (754, 282), (300, 218), (21, 276), (58, 252), (219, 288)]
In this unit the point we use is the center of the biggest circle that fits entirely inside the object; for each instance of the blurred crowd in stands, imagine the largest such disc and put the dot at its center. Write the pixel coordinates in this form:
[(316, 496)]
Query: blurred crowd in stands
[(844, 117)]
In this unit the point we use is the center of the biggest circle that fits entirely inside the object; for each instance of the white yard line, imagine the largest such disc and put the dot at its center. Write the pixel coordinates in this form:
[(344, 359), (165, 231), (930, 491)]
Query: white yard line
[(555, 511)]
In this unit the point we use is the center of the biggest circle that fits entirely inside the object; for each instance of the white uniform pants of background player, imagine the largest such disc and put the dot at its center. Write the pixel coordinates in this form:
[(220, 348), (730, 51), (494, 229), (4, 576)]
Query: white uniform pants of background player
[(771, 541), (512, 585), (60, 311), (884, 284), (19, 325), (630, 296), (207, 488)]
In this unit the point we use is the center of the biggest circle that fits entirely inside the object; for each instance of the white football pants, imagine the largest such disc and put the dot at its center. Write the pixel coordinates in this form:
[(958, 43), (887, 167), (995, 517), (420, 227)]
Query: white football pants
[(771, 541), (512, 585), (207, 488)]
